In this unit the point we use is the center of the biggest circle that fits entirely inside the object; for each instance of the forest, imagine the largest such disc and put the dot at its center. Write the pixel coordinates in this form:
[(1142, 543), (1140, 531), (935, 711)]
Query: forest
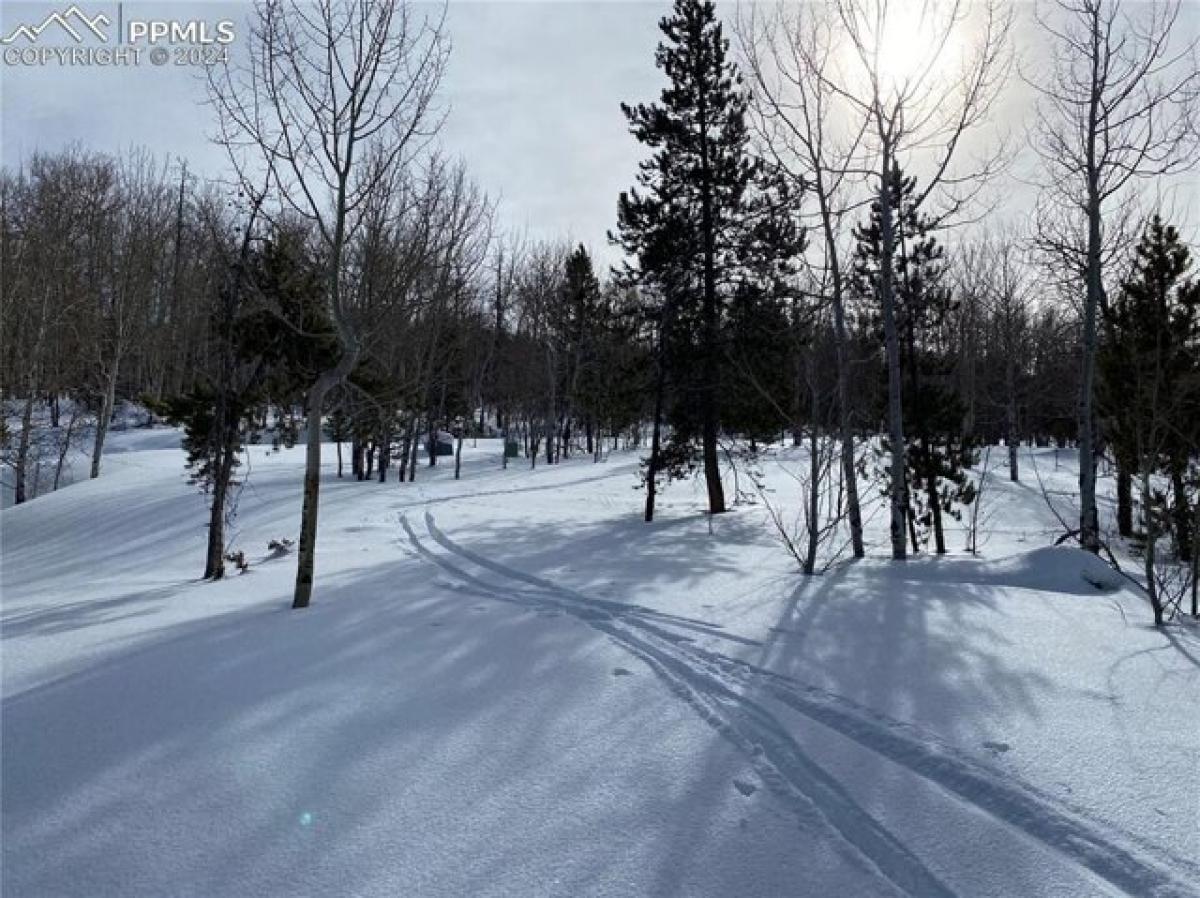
[(804, 262), (831, 526)]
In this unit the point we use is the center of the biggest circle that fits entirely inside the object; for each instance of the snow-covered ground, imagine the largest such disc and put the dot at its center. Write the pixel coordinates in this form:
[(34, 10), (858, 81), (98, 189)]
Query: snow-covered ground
[(510, 685)]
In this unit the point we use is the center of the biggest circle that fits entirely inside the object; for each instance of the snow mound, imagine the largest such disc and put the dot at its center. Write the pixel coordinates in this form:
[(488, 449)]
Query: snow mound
[(1059, 569)]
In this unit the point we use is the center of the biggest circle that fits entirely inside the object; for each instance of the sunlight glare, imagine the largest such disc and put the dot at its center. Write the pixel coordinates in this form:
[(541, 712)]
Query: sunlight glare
[(918, 41)]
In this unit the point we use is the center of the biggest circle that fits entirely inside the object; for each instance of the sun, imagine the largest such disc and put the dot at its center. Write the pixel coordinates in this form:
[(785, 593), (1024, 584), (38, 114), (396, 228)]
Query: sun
[(915, 43)]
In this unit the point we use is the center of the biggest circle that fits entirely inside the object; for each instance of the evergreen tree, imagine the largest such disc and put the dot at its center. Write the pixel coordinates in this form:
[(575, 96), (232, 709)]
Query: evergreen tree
[(761, 387), (288, 325), (265, 333), (582, 325), (1149, 366), (702, 207), (216, 412)]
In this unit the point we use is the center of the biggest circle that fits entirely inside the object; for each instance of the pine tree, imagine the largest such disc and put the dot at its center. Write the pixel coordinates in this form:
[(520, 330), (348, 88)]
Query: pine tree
[(217, 411), (266, 334), (761, 387), (583, 323), (1149, 366), (701, 205)]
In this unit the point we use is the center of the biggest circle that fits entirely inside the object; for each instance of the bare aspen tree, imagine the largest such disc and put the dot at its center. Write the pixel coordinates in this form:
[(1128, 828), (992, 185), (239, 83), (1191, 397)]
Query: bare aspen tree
[(335, 98), (813, 134), (1007, 288), (83, 271), (1118, 99), (920, 98), (136, 234), (27, 310)]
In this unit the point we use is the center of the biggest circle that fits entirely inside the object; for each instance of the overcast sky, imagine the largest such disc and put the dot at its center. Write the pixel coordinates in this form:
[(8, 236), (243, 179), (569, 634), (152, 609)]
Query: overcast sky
[(534, 90)]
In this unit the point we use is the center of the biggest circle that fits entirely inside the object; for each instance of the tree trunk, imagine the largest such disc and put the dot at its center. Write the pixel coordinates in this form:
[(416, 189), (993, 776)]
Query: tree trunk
[(1180, 515), (19, 493), (107, 402), (935, 507), (814, 494), (842, 355), (710, 388), (307, 550), (1089, 520), (1010, 438), (655, 443), (1124, 500), (65, 445), (414, 449), (1151, 540), (1196, 561), (892, 338), (214, 564)]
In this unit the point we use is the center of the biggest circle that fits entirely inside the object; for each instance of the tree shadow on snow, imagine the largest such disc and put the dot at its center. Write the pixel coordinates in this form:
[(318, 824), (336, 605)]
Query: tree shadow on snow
[(279, 752)]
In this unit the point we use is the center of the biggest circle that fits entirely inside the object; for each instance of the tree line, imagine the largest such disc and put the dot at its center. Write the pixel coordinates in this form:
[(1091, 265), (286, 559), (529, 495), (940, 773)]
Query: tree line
[(797, 266)]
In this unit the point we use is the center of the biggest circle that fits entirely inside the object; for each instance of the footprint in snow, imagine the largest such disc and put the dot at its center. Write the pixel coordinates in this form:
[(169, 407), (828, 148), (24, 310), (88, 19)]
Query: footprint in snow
[(745, 788), (997, 747), (621, 672)]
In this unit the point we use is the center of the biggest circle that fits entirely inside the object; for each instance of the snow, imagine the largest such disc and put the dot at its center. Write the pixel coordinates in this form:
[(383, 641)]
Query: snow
[(510, 685)]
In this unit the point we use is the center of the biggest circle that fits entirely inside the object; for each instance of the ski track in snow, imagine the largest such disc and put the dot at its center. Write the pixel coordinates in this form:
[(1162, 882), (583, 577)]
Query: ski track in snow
[(718, 688), (614, 471)]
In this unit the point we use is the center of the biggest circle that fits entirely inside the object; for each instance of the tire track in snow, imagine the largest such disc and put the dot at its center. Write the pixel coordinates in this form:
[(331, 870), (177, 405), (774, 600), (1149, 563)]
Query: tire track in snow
[(713, 683), (817, 799), (614, 471)]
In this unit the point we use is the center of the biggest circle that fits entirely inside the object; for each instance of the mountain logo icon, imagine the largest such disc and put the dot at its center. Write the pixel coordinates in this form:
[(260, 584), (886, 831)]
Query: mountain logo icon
[(72, 20)]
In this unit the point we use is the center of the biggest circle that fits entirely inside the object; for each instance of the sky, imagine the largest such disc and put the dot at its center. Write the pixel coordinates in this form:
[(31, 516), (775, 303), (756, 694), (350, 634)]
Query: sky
[(533, 89)]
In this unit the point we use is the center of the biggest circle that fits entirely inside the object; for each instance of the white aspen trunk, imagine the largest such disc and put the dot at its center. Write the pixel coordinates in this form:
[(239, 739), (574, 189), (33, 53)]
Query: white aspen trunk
[(65, 445), (842, 354), (107, 403), (21, 470), (892, 338)]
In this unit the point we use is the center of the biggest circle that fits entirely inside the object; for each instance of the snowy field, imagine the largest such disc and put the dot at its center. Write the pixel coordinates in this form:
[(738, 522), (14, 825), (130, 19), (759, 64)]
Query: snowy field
[(509, 685)]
